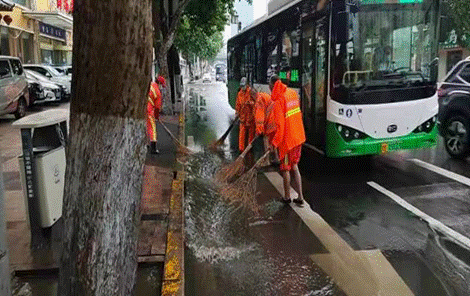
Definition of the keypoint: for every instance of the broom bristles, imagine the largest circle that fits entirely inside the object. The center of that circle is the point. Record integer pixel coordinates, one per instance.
(243, 190)
(230, 171)
(234, 169)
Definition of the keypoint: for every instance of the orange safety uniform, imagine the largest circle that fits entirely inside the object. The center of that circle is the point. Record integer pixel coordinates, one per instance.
(284, 126)
(263, 100)
(245, 111)
(154, 106)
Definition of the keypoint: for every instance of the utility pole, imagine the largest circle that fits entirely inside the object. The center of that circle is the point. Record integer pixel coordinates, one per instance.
(4, 259)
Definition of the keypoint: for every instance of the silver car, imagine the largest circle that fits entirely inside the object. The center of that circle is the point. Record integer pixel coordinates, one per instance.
(14, 92)
(54, 75)
(51, 92)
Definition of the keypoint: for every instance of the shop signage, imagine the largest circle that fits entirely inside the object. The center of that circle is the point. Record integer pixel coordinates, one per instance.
(52, 31)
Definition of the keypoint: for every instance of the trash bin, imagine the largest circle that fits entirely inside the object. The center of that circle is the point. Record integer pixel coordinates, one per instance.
(42, 165)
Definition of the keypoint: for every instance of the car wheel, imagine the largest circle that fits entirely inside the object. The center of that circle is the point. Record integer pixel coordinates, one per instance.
(20, 109)
(456, 136)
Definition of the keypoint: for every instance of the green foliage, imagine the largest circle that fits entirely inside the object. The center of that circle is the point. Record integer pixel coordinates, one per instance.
(460, 10)
(193, 41)
(201, 27)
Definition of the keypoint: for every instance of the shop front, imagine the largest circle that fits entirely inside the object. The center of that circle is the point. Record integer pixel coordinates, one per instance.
(55, 39)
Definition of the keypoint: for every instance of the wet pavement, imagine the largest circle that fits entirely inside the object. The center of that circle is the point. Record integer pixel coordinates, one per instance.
(232, 252)
(37, 271)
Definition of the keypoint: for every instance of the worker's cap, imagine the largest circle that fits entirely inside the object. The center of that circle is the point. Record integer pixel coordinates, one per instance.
(243, 81)
(161, 80)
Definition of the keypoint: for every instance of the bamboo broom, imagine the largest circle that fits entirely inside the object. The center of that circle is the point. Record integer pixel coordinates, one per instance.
(234, 169)
(220, 141)
(181, 148)
(243, 190)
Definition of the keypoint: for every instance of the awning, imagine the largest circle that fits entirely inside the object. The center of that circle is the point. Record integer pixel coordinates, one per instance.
(57, 19)
(6, 5)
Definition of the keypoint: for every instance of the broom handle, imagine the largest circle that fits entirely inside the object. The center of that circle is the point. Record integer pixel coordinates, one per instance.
(248, 148)
(224, 136)
(169, 132)
(259, 163)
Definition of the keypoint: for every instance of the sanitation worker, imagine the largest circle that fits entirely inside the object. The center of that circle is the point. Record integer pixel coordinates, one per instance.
(263, 107)
(154, 105)
(286, 133)
(245, 110)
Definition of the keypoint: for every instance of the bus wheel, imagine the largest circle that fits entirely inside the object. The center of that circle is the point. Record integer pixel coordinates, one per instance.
(456, 135)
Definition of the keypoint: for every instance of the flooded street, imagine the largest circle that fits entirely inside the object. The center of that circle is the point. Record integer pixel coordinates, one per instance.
(230, 251)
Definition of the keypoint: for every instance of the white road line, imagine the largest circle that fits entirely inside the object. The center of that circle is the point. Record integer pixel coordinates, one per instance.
(355, 272)
(441, 171)
(314, 148)
(433, 223)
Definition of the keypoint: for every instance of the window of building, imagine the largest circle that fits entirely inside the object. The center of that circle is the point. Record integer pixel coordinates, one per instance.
(27, 43)
(26, 3)
(46, 56)
(4, 42)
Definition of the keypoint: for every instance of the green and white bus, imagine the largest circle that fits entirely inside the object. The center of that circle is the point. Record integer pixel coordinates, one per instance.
(366, 70)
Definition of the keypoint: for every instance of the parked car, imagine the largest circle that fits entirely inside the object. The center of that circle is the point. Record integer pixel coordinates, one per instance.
(66, 70)
(14, 92)
(53, 75)
(206, 78)
(44, 90)
(454, 110)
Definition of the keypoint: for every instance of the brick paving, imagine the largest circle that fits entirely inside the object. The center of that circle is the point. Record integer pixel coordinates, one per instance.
(156, 193)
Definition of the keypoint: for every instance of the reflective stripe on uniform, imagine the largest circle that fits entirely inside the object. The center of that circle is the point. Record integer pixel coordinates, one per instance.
(292, 112)
(150, 100)
(153, 92)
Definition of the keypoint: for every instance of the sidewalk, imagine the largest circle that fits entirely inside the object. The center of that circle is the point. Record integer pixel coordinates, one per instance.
(160, 172)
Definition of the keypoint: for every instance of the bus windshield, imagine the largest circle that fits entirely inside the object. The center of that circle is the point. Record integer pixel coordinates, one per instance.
(384, 47)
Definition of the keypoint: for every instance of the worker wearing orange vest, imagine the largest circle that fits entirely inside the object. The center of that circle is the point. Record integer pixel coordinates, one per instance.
(286, 133)
(263, 107)
(245, 111)
(154, 105)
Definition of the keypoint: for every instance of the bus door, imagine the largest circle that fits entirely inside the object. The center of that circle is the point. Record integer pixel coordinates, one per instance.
(314, 57)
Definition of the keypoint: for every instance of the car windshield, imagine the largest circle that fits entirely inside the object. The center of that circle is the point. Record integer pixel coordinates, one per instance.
(37, 76)
(53, 71)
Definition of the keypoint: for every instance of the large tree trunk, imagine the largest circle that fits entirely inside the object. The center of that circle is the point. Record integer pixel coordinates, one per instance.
(106, 150)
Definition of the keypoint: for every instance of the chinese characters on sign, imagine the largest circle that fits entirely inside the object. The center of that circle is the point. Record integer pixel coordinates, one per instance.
(52, 31)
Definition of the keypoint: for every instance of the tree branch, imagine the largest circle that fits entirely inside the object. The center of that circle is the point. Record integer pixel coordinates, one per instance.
(175, 19)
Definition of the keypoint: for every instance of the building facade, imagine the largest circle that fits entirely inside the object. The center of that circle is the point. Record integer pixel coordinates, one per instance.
(40, 31)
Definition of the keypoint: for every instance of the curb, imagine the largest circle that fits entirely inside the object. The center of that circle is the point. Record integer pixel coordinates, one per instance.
(173, 272)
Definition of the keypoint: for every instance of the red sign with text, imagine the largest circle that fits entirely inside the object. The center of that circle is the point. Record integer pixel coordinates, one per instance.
(66, 5)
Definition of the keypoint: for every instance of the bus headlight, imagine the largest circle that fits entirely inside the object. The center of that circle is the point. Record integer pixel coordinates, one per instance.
(427, 126)
(348, 134)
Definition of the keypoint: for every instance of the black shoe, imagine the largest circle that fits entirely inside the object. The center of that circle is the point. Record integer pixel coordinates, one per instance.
(153, 148)
(286, 201)
(299, 202)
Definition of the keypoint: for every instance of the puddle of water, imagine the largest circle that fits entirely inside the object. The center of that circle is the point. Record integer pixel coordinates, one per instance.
(226, 254)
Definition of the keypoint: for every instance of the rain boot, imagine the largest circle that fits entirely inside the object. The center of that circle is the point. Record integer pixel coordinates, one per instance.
(153, 148)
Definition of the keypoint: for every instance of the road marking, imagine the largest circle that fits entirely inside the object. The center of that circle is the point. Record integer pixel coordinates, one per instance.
(314, 148)
(349, 268)
(390, 283)
(433, 223)
(441, 171)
